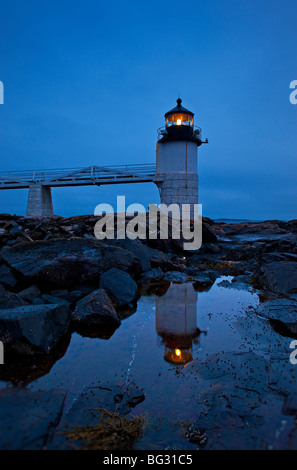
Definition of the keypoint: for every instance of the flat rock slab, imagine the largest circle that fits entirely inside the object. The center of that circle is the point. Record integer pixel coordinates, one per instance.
(61, 263)
(85, 408)
(279, 309)
(283, 315)
(28, 419)
(239, 380)
(235, 366)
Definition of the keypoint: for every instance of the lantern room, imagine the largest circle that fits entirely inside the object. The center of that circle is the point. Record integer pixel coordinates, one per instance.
(179, 125)
(179, 116)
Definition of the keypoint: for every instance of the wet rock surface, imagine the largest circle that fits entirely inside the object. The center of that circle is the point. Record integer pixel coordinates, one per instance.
(282, 314)
(37, 414)
(57, 280)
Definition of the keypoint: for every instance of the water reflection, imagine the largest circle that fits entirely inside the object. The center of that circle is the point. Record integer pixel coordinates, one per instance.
(176, 322)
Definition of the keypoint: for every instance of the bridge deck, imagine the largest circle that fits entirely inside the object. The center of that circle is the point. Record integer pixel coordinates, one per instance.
(79, 176)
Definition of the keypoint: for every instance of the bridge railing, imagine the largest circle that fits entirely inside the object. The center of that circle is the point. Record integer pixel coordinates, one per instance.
(46, 176)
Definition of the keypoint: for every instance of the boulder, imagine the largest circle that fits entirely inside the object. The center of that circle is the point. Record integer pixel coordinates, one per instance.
(10, 300)
(279, 277)
(73, 296)
(119, 258)
(6, 277)
(33, 329)
(154, 274)
(51, 299)
(203, 281)
(62, 263)
(96, 309)
(32, 295)
(208, 234)
(119, 285)
(148, 256)
(142, 252)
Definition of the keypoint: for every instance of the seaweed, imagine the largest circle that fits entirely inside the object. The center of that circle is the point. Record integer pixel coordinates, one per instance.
(112, 432)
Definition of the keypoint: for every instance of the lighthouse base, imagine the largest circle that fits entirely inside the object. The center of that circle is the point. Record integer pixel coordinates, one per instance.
(179, 188)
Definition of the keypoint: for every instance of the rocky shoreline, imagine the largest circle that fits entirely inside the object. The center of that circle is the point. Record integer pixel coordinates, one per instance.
(56, 278)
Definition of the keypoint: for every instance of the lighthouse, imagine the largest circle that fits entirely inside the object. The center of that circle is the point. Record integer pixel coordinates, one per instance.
(176, 323)
(176, 157)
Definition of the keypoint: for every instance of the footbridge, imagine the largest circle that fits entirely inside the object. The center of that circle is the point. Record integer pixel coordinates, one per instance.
(40, 182)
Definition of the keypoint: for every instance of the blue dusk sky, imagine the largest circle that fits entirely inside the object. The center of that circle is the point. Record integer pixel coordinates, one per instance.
(88, 83)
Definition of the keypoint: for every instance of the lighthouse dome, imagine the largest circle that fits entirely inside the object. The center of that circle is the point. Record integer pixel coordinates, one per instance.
(179, 109)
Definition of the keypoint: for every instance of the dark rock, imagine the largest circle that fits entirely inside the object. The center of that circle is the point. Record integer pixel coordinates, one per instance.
(176, 276)
(203, 282)
(6, 277)
(290, 405)
(9, 299)
(32, 295)
(73, 296)
(15, 228)
(50, 299)
(279, 277)
(282, 314)
(85, 409)
(143, 252)
(239, 282)
(33, 329)
(20, 371)
(243, 369)
(208, 234)
(96, 310)
(272, 257)
(119, 285)
(212, 248)
(62, 263)
(119, 258)
(292, 225)
(28, 419)
(153, 274)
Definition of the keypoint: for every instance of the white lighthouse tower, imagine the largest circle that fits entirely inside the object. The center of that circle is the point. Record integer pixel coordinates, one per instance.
(176, 157)
(176, 322)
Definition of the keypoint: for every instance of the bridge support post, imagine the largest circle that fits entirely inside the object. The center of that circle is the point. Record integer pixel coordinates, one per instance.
(39, 201)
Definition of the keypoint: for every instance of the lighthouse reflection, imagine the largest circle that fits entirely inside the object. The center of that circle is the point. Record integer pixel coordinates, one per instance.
(176, 322)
